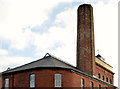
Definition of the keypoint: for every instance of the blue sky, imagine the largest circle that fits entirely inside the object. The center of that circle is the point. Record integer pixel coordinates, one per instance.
(31, 28)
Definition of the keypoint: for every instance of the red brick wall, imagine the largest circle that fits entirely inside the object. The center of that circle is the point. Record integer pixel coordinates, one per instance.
(45, 78)
(104, 73)
(0, 81)
(10, 80)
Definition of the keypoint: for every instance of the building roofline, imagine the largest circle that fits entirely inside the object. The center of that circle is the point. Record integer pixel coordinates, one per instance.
(73, 69)
(103, 61)
(21, 65)
(47, 55)
(94, 78)
(105, 68)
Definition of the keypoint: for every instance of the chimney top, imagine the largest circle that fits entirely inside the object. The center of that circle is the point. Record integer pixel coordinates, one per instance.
(85, 5)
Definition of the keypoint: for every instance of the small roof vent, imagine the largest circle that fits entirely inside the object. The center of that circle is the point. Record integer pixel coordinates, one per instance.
(47, 55)
(100, 57)
(8, 68)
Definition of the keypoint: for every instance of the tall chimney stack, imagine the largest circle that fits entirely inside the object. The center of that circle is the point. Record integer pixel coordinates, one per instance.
(85, 39)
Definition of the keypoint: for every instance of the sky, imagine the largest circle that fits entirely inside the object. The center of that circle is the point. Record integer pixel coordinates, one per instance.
(31, 28)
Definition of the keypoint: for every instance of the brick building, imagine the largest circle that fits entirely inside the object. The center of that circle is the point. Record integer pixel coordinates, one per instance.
(50, 71)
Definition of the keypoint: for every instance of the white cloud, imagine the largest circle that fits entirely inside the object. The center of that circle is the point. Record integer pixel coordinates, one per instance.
(65, 35)
(16, 16)
(22, 40)
(7, 61)
(3, 52)
(19, 14)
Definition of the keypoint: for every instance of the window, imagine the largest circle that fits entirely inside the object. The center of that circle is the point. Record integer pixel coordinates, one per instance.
(99, 75)
(106, 79)
(6, 83)
(110, 81)
(99, 86)
(106, 88)
(32, 80)
(82, 83)
(58, 80)
(103, 78)
(91, 85)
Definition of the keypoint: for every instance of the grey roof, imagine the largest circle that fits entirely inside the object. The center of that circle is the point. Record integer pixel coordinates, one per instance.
(51, 61)
(46, 61)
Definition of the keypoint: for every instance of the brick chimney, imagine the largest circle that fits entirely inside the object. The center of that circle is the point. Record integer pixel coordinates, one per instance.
(85, 39)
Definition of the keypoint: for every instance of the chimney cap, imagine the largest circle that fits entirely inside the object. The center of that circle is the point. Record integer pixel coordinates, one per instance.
(84, 5)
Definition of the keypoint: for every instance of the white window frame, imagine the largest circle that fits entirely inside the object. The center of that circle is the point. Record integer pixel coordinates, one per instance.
(6, 83)
(58, 80)
(82, 83)
(32, 80)
(91, 85)
(99, 86)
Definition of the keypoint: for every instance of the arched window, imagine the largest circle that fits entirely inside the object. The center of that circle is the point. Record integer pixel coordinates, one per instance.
(106, 88)
(106, 79)
(91, 85)
(103, 78)
(99, 75)
(82, 83)
(99, 86)
(110, 81)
